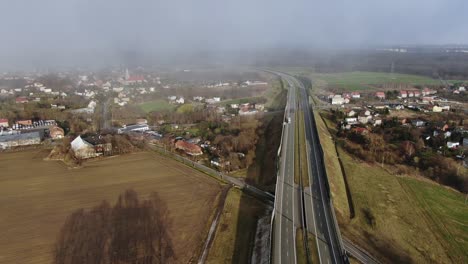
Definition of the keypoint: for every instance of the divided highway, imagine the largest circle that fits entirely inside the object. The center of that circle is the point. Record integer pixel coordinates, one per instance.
(286, 213)
(317, 205)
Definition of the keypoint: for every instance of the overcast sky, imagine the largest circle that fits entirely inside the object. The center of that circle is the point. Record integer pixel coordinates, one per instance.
(38, 29)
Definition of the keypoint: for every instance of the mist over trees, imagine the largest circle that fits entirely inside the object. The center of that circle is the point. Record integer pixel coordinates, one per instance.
(132, 231)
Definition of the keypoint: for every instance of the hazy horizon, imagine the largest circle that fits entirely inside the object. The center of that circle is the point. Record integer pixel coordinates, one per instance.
(54, 32)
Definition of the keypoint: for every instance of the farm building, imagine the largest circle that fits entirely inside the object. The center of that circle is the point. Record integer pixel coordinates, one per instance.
(89, 147)
(15, 140)
(133, 128)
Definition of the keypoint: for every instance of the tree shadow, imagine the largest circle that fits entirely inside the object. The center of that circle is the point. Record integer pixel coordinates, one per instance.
(132, 231)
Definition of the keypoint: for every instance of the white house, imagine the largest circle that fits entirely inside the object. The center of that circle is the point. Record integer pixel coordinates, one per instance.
(338, 100)
(453, 145)
(181, 100)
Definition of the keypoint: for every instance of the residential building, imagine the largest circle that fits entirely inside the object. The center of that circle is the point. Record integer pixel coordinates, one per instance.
(453, 145)
(181, 100)
(351, 113)
(380, 95)
(364, 119)
(418, 123)
(4, 122)
(351, 120)
(436, 109)
(403, 94)
(355, 95)
(188, 148)
(56, 132)
(427, 91)
(338, 100)
(21, 100)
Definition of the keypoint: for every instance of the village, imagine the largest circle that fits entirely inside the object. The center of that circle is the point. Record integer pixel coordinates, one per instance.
(94, 117)
(401, 117)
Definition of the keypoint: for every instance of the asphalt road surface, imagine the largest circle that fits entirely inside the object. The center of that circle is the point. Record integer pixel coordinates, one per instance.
(287, 211)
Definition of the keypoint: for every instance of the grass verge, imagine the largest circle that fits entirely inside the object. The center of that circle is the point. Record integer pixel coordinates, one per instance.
(234, 237)
(334, 173)
(300, 250)
(300, 159)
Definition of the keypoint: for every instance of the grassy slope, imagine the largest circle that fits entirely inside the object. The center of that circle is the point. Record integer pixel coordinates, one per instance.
(236, 227)
(352, 81)
(335, 176)
(156, 105)
(387, 223)
(447, 210)
(414, 220)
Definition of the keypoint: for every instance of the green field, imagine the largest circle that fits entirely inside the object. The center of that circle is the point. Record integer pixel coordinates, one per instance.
(358, 81)
(156, 105)
(449, 213)
(37, 196)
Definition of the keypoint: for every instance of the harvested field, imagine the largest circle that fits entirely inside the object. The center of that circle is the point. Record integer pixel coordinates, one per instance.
(38, 196)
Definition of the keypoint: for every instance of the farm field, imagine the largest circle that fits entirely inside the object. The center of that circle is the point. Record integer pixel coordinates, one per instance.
(358, 81)
(37, 197)
(156, 105)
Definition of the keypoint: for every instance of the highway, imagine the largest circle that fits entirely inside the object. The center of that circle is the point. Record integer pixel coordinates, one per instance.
(317, 207)
(317, 201)
(287, 212)
(318, 217)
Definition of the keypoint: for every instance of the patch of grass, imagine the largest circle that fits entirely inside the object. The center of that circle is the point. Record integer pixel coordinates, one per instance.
(447, 211)
(300, 250)
(334, 173)
(300, 159)
(39, 196)
(353, 81)
(313, 251)
(156, 105)
(235, 234)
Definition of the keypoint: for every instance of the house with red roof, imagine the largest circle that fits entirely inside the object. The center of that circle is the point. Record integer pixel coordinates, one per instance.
(188, 148)
(4, 122)
(21, 100)
(380, 95)
(403, 94)
(355, 95)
